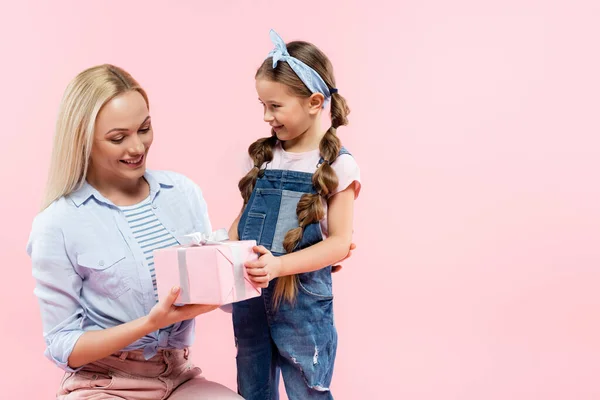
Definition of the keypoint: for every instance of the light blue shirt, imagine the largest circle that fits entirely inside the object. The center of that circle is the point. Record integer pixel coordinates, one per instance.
(90, 271)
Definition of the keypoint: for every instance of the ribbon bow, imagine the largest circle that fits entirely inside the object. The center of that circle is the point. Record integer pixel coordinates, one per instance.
(201, 238)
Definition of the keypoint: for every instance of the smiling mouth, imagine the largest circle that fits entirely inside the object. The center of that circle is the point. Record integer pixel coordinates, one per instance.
(135, 162)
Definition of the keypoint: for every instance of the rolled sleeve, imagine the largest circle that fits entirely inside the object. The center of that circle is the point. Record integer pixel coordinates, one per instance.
(348, 173)
(57, 288)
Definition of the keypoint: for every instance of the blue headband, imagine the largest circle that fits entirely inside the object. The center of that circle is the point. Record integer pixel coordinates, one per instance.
(309, 76)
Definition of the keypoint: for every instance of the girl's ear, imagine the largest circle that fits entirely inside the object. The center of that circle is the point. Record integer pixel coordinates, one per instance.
(315, 103)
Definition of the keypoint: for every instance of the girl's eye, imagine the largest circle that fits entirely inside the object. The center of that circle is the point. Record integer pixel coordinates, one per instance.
(117, 140)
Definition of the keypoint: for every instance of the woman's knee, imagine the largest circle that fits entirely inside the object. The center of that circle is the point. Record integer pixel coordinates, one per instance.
(202, 389)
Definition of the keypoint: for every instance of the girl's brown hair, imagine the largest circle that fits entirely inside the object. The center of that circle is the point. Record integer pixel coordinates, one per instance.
(310, 207)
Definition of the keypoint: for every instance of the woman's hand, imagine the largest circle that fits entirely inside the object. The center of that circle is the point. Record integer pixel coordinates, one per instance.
(165, 313)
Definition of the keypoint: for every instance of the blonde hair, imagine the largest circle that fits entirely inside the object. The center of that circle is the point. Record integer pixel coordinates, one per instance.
(310, 207)
(83, 99)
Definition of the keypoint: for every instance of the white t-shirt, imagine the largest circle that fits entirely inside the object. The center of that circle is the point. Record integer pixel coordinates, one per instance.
(345, 167)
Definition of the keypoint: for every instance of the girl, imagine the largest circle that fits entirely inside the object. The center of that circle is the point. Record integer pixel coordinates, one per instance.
(91, 248)
(298, 196)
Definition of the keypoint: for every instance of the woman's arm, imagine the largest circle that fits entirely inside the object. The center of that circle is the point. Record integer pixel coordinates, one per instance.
(58, 288)
(95, 345)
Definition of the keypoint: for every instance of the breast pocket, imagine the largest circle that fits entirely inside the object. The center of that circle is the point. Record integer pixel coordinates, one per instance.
(104, 274)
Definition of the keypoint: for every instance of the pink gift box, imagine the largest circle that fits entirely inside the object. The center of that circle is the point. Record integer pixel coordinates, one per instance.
(207, 274)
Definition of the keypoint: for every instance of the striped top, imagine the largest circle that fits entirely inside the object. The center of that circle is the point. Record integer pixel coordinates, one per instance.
(149, 232)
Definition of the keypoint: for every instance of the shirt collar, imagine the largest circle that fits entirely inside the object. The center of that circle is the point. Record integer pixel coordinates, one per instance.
(86, 191)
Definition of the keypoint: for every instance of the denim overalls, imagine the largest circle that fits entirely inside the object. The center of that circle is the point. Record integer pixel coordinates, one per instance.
(299, 339)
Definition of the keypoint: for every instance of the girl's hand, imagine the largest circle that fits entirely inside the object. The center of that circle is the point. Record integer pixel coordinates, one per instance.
(263, 270)
(338, 267)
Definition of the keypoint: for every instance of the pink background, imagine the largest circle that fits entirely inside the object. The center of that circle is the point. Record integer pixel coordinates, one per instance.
(476, 127)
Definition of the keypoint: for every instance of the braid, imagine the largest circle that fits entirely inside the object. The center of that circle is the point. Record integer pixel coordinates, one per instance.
(260, 151)
(310, 207)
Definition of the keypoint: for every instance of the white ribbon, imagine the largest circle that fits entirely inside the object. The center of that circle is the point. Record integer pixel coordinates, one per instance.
(201, 238)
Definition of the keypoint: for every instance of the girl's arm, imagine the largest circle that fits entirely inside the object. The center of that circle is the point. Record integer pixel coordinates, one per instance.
(233, 230)
(340, 216)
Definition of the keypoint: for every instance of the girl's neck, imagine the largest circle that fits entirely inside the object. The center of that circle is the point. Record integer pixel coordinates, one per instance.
(307, 141)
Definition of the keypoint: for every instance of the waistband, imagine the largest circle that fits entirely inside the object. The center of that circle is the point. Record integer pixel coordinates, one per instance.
(138, 355)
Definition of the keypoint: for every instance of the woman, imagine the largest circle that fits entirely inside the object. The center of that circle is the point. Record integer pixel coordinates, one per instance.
(91, 248)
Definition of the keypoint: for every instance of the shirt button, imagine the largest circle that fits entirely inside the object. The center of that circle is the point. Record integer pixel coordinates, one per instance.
(101, 263)
(154, 206)
(173, 229)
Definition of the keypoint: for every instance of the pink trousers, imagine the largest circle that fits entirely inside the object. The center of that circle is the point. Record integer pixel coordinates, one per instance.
(127, 375)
